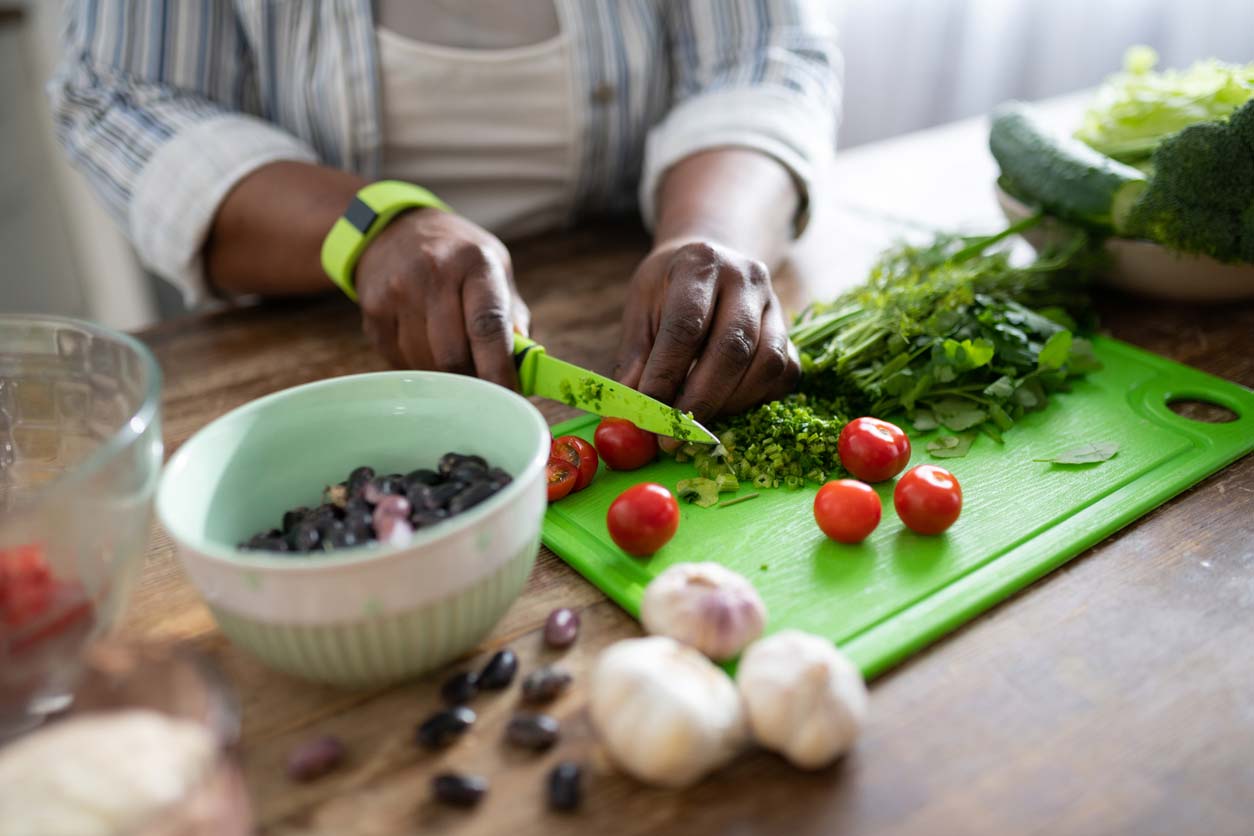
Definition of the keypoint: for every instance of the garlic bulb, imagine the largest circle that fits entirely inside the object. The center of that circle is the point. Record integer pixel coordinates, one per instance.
(804, 698)
(704, 605)
(665, 713)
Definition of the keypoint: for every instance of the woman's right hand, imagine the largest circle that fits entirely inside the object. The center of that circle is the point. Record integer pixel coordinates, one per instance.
(437, 292)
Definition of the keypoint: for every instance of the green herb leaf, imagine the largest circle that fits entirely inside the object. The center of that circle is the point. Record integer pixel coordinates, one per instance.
(699, 491)
(958, 414)
(1085, 454)
(924, 420)
(999, 416)
(1082, 359)
(1056, 350)
(951, 446)
(1002, 389)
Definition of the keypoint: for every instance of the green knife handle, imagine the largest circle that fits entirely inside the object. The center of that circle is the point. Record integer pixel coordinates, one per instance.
(526, 354)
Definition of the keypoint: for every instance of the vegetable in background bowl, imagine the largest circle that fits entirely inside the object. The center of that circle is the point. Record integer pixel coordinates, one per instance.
(1136, 109)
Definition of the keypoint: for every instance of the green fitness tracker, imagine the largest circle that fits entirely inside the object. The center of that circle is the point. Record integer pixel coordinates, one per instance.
(367, 215)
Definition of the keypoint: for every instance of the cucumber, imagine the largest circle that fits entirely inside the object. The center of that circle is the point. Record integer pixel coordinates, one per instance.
(1062, 175)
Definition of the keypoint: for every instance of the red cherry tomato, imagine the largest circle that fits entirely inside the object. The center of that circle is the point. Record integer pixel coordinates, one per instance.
(581, 454)
(643, 519)
(847, 510)
(873, 450)
(623, 445)
(928, 499)
(562, 476)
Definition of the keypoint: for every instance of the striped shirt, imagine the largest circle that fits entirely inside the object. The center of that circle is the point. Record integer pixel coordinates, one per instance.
(166, 104)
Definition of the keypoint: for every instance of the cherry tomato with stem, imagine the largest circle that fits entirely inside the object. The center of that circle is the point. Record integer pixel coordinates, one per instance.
(562, 476)
(623, 445)
(581, 454)
(928, 499)
(873, 450)
(847, 510)
(643, 519)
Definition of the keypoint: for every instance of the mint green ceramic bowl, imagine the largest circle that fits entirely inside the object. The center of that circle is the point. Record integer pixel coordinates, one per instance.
(372, 614)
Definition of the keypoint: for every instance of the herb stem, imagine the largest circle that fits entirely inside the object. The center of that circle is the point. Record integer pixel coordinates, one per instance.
(727, 503)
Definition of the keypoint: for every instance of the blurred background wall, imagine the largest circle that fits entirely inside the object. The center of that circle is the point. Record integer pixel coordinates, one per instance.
(909, 64)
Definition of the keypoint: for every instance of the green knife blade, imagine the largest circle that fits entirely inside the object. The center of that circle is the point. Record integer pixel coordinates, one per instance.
(545, 376)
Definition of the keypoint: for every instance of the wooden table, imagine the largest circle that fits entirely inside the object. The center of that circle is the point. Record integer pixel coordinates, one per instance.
(1112, 696)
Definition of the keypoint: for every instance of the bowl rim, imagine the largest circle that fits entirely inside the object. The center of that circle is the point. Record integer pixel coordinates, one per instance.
(146, 414)
(365, 553)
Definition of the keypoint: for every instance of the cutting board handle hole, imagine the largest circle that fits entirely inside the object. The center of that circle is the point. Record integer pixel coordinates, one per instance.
(1196, 409)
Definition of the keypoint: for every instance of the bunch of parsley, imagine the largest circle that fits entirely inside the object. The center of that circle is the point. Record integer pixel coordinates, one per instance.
(950, 334)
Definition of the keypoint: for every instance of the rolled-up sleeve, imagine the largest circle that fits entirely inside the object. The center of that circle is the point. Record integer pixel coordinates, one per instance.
(759, 74)
(149, 103)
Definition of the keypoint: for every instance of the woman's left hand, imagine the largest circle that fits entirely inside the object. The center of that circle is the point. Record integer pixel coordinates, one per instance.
(704, 330)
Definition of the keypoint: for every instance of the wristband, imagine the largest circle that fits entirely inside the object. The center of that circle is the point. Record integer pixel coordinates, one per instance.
(369, 213)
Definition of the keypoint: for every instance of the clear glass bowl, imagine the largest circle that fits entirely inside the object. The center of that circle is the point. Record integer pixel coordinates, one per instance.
(80, 451)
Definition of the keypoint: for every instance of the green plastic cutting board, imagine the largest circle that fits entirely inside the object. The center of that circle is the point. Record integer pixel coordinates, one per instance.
(898, 591)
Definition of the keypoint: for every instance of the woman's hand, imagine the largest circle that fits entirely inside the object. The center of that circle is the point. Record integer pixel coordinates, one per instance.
(437, 292)
(704, 330)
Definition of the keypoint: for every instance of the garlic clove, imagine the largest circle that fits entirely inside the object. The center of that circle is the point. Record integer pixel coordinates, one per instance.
(665, 714)
(705, 605)
(804, 698)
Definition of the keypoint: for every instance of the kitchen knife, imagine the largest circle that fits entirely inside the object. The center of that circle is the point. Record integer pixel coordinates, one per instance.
(547, 377)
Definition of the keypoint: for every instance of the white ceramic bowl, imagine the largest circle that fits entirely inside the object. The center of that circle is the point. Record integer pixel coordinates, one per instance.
(1146, 268)
(371, 614)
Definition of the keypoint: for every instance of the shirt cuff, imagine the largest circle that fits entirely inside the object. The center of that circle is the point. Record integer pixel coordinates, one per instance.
(178, 193)
(770, 120)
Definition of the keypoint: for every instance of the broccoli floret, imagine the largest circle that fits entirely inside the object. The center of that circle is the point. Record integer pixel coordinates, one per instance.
(1201, 196)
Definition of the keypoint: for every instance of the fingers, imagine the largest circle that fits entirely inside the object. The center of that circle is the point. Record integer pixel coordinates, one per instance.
(732, 344)
(520, 314)
(489, 320)
(776, 366)
(687, 310)
(634, 346)
(379, 323)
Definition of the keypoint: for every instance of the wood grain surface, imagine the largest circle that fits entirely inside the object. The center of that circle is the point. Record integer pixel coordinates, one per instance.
(1113, 696)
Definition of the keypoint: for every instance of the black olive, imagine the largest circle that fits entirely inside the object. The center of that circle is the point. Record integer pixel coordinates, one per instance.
(449, 461)
(361, 474)
(499, 477)
(499, 672)
(305, 537)
(532, 731)
(431, 497)
(338, 535)
(443, 727)
(277, 544)
(360, 521)
(274, 534)
(422, 476)
(382, 486)
(545, 684)
(468, 473)
(459, 790)
(324, 514)
(419, 497)
(460, 688)
(566, 786)
(471, 497)
(294, 517)
(358, 479)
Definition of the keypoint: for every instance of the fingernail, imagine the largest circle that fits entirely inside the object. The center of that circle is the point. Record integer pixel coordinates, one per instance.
(669, 445)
